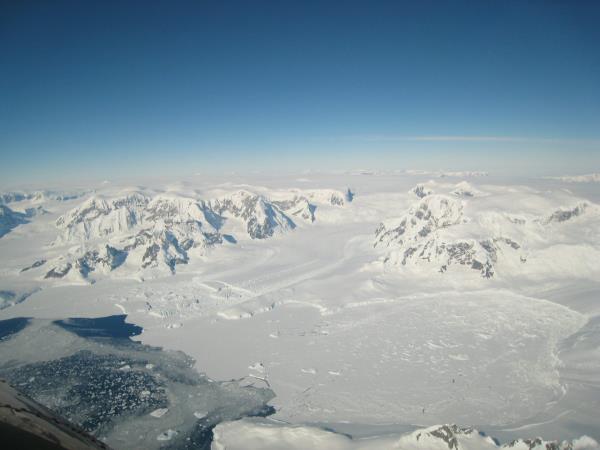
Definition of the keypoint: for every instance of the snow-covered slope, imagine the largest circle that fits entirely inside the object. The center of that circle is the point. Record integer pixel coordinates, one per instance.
(463, 229)
(266, 435)
(288, 285)
(151, 232)
(465, 189)
(588, 178)
(161, 231)
(420, 190)
(10, 219)
(99, 217)
(37, 196)
(261, 217)
(418, 237)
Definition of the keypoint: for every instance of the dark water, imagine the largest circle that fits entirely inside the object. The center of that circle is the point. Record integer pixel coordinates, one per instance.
(110, 326)
(89, 389)
(12, 326)
(108, 382)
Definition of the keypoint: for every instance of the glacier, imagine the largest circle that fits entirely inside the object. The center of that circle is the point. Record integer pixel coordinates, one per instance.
(370, 303)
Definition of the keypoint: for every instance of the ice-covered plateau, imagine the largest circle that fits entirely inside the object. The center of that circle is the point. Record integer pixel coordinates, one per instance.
(377, 312)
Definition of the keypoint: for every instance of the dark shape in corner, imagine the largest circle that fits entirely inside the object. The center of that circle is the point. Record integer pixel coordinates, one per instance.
(25, 424)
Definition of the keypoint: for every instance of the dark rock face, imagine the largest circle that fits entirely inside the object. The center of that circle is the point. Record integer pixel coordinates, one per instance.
(35, 265)
(464, 253)
(419, 235)
(150, 256)
(447, 433)
(421, 191)
(59, 272)
(263, 229)
(261, 216)
(349, 195)
(298, 207)
(111, 258)
(430, 214)
(539, 443)
(336, 201)
(564, 215)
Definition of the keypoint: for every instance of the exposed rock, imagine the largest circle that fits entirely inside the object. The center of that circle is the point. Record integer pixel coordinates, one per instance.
(564, 215)
(417, 237)
(262, 218)
(421, 191)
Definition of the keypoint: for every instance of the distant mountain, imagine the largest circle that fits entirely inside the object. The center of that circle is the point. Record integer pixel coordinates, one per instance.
(245, 434)
(588, 178)
(443, 174)
(562, 215)
(261, 217)
(37, 196)
(437, 233)
(465, 190)
(415, 237)
(421, 191)
(160, 231)
(98, 217)
(154, 232)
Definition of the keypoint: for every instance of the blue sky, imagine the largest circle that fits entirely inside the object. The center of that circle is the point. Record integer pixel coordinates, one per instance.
(118, 88)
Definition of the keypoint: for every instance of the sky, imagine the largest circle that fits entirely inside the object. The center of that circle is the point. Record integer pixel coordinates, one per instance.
(119, 88)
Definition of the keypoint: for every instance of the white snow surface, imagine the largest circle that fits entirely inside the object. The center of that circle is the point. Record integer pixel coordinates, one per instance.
(476, 303)
(249, 435)
(587, 178)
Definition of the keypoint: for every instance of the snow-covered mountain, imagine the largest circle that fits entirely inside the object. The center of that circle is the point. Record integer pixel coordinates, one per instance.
(99, 217)
(265, 435)
(417, 237)
(444, 174)
(562, 215)
(261, 217)
(39, 196)
(297, 206)
(420, 190)
(152, 232)
(160, 231)
(588, 178)
(470, 293)
(465, 189)
(462, 229)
